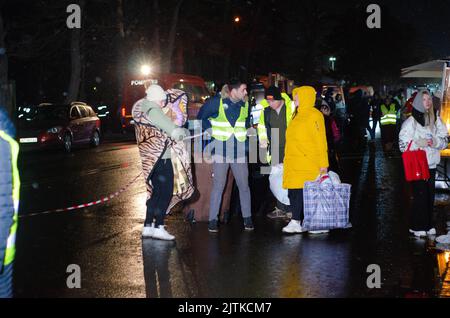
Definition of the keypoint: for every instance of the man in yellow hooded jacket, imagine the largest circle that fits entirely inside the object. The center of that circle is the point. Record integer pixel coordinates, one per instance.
(306, 155)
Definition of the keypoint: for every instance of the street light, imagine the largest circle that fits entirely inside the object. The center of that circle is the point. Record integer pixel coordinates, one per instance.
(237, 19)
(146, 70)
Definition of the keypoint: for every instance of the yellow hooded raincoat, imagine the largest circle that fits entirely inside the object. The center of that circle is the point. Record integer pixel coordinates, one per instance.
(306, 143)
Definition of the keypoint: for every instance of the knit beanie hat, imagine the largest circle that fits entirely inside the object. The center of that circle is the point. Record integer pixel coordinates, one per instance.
(155, 93)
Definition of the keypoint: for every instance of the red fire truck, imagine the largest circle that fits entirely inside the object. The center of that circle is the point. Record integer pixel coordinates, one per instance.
(134, 89)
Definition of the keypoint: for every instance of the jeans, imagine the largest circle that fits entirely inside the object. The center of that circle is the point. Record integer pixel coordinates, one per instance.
(240, 173)
(162, 183)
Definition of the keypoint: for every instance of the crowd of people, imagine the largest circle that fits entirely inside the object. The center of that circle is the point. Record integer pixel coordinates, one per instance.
(310, 128)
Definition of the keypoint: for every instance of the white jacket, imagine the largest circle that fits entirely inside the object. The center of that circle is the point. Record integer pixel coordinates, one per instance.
(413, 131)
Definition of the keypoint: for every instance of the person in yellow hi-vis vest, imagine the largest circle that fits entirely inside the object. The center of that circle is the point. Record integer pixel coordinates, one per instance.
(388, 123)
(9, 202)
(275, 118)
(228, 117)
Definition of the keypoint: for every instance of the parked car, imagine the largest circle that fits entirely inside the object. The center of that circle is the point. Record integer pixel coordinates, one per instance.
(60, 126)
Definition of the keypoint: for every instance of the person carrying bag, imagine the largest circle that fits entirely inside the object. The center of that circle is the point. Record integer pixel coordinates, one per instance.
(422, 137)
(306, 153)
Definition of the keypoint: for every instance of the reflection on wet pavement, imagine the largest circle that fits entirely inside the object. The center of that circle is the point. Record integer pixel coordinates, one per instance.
(106, 242)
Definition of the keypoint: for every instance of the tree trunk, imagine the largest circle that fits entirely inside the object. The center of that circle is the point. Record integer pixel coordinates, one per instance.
(172, 36)
(121, 61)
(76, 58)
(120, 23)
(5, 96)
(253, 35)
(156, 51)
(75, 74)
(179, 64)
(227, 40)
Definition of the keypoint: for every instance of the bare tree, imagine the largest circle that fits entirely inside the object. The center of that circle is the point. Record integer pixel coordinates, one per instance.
(156, 51)
(76, 57)
(120, 23)
(172, 36)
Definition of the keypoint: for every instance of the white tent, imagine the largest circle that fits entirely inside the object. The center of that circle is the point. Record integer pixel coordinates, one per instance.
(432, 69)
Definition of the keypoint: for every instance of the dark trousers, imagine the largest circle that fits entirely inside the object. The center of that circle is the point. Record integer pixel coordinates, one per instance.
(423, 203)
(282, 207)
(296, 200)
(373, 129)
(333, 161)
(162, 182)
(6, 277)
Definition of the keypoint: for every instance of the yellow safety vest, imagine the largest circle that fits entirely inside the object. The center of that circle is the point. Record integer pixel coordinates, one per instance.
(389, 117)
(11, 242)
(262, 129)
(264, 103)
(222, 129)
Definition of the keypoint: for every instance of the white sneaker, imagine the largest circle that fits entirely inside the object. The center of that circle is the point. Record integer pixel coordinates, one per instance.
(432, 231)
(148, 231)
(161, 234)
(319, 232)
(293, 227)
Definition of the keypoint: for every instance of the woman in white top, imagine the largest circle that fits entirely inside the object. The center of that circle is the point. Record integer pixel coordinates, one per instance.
(424, 130)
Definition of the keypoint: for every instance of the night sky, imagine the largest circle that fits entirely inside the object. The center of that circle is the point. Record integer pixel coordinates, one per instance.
(430, 18)
(273, 36)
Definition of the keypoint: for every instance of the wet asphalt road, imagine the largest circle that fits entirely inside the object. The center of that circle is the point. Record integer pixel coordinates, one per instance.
(105, 240)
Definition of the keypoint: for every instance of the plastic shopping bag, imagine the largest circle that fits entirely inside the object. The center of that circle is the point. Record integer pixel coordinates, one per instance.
(331, 177)
(276, 184)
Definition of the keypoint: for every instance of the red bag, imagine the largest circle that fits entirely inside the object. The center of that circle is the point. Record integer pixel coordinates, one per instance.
(415, 164)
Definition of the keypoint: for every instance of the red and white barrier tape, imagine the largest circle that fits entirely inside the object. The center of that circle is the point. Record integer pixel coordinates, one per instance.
(101, 201)
(86, 205)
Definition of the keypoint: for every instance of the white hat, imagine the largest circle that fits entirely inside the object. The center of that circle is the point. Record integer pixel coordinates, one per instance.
(155, 93)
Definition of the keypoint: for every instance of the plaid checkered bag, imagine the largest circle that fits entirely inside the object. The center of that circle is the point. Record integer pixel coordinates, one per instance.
(326, 206)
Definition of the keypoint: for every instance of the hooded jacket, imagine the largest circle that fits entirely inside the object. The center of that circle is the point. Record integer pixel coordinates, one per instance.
(306, 142)
(413, 130)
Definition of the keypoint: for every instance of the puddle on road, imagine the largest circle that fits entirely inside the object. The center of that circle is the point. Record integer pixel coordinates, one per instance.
(431, 274)
(443, 267)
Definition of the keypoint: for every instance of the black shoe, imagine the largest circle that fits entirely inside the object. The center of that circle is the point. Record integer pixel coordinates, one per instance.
(248, 224)
(213, 226)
